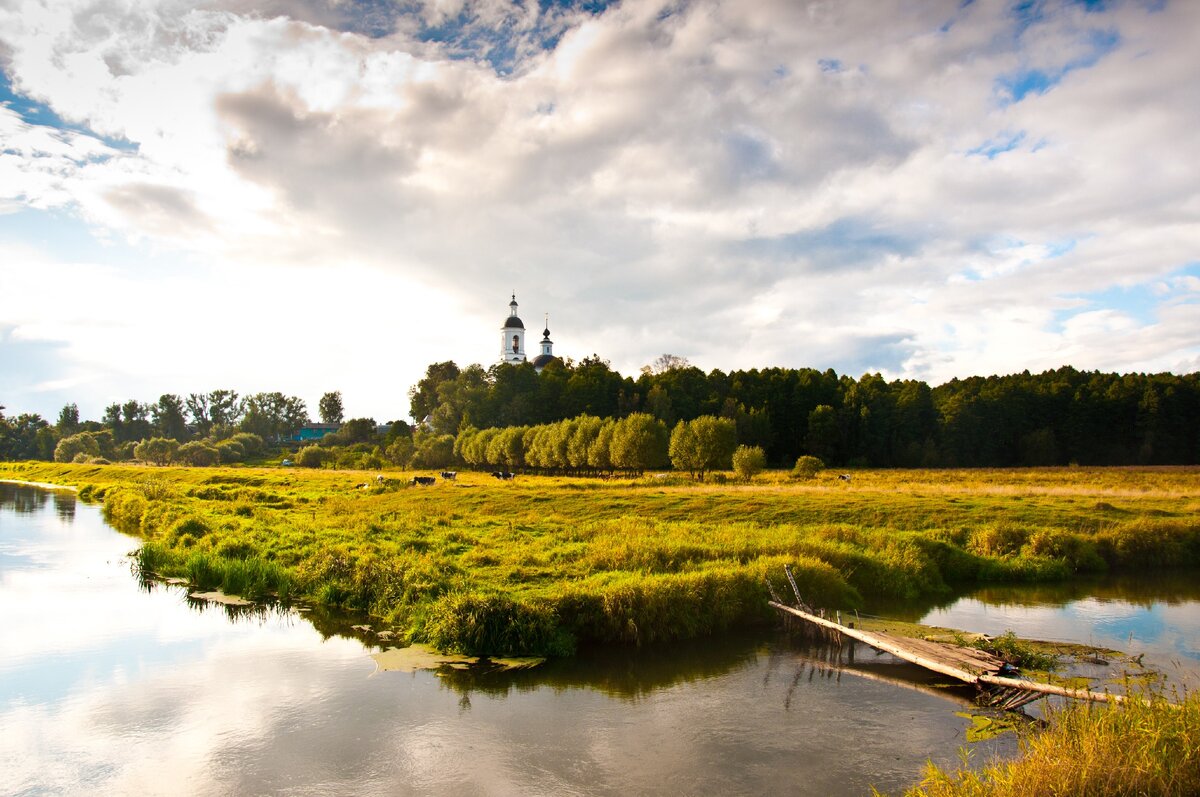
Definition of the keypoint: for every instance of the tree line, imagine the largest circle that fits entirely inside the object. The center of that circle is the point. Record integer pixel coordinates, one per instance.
(467, 415)
(218, 427)
(1057, 417)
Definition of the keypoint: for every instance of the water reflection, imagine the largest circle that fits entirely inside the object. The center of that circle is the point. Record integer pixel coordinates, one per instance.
(1155, 616)
(109, 685)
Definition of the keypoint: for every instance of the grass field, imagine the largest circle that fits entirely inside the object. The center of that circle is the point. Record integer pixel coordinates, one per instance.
(537, 565)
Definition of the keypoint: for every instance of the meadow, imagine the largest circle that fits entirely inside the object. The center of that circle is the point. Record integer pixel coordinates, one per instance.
(540, 565)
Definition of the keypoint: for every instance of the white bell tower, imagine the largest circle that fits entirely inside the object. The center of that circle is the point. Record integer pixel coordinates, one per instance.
(512, 336)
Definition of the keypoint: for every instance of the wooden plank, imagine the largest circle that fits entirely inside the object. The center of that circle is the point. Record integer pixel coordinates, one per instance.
(888, 645)
(950, 660)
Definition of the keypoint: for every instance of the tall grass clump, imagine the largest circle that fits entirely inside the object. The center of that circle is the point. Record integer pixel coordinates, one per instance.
(1091, 750)
(250, 578)
(1148, 542)
(492, 623)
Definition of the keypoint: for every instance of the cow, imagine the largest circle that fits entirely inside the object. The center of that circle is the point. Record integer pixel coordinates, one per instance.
(845, 477)
(379, 480)
(423, 481)
(449, 475)
(502, 475)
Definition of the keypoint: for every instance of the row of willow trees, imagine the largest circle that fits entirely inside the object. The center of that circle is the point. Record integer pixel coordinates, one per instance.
(588, 444)
(1053, 418)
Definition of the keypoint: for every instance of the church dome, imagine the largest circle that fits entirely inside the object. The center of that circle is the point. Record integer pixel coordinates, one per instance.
(513, 322)
(542, 360)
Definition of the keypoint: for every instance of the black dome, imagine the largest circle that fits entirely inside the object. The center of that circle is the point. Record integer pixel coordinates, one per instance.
(513, 321)
(543, 359)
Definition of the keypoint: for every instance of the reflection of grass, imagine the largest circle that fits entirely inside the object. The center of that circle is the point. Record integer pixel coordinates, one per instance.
(1092, 750)
(541, 564)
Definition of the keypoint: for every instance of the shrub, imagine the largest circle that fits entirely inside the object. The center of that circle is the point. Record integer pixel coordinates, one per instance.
(313, 456)
(230, 451)
(156, 450)
(749, 461)
(69, 448)
(252, 444)
(807, 467)
(198, 454)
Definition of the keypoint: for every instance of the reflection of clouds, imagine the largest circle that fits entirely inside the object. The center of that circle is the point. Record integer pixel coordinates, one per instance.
(121, 691)
(1167, 633)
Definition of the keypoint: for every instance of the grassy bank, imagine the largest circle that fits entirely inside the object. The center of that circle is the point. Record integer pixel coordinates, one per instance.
(1091, 750)
(536, 565)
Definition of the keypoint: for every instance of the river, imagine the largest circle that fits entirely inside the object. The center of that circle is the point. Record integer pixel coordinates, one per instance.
(109, 685)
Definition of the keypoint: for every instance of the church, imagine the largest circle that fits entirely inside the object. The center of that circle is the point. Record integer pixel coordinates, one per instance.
(512, 340)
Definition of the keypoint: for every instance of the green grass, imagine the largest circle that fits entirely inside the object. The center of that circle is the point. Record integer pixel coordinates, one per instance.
(1090, 750)
(541, 564)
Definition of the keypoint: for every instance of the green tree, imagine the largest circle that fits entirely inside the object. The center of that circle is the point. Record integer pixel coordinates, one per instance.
(823, 434)
(639, 441)
(358, 430)
(423, 397)
(704, 444)
(600, 451)
(273, 416)
(313, 456)
(198, 454)
(433, 451)
(400, 451)
(135, 421)
(168, 417)
(251, 443)
(230, 451)
(225, 408)
(807, 467)
(157, 450)
(749, 461)
(70, 447)
(330, 407)
(27, 436)
(68, 420)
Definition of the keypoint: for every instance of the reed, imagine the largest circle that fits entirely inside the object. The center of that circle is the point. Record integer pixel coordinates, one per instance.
(1090, 750)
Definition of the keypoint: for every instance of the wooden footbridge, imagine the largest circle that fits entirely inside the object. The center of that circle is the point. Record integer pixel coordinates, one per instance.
(971, 666)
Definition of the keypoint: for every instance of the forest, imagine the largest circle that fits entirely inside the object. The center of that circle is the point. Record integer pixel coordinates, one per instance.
(1059, 417)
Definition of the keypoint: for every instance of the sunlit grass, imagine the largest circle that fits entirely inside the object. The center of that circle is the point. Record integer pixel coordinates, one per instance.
(539, 564)
(1090, 750)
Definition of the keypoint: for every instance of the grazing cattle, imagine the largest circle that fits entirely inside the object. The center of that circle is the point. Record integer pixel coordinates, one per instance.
(449, 475)
(424, 481)
(379, 479)
(502, 475)
(845, 477)
(362, 486)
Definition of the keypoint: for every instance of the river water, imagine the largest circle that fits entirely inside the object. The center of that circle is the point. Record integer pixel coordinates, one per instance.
(112, 686)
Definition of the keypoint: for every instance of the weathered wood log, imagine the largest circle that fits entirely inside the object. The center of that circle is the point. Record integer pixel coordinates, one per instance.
(1050, 689)
(956, 662)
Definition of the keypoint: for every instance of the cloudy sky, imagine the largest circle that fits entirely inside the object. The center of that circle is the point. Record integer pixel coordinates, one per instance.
(329, 195)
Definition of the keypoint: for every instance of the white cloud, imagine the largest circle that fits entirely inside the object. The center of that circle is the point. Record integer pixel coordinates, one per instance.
(841, 185)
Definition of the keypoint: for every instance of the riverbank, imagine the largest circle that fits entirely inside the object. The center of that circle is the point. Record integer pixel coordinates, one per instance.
(538, 565)
(1090, 750)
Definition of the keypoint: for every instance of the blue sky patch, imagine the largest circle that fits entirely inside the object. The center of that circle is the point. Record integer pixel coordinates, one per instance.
(1017, 85)
(1140, 302)
(1005, 142)
(38, 113)
(465, 37)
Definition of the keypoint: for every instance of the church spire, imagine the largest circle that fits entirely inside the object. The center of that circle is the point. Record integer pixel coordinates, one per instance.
(512, 336)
